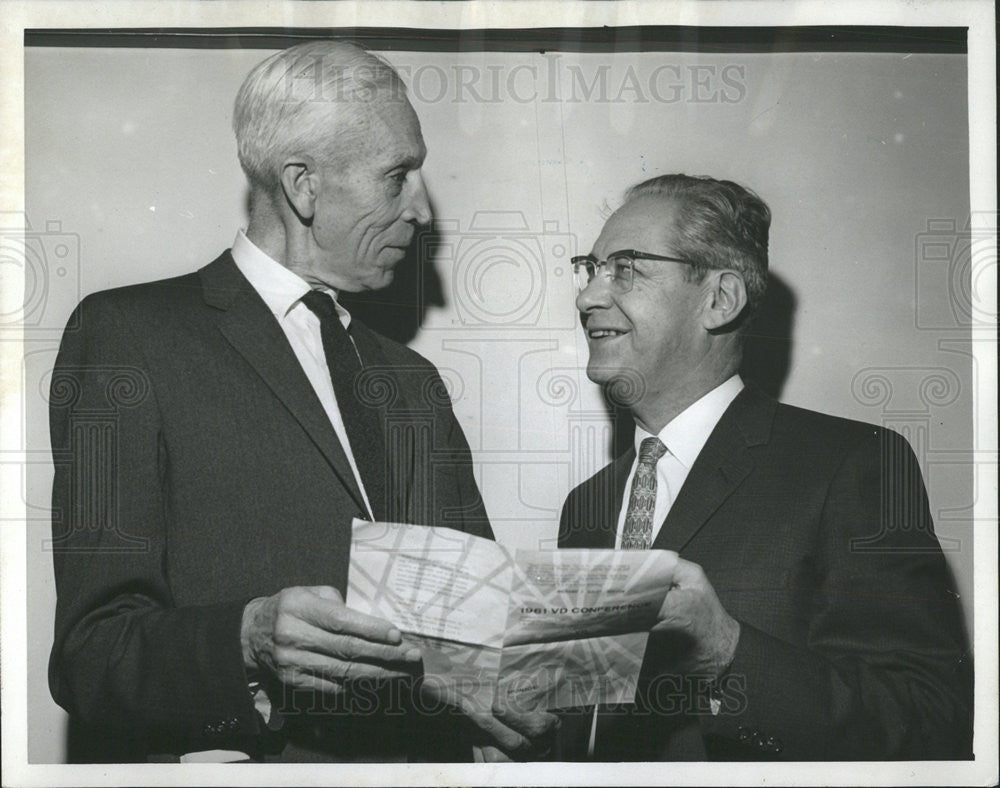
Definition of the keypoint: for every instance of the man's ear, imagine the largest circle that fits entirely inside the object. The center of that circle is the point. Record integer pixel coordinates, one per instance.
(300, 183)
(725, 299)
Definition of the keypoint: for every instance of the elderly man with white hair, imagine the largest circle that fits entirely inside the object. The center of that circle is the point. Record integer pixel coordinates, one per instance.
(201, 542)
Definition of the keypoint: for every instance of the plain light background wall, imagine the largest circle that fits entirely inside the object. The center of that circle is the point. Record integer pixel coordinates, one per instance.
(132, 176)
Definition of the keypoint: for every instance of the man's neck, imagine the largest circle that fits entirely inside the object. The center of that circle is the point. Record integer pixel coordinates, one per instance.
(653, 412)
(287, 244)
(271, 237)
(268, 234)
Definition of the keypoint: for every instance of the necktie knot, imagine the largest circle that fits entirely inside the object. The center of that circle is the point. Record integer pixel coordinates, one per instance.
(321, 305)
(650, 451)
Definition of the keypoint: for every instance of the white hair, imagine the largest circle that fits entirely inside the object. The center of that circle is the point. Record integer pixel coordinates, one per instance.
(286, 104)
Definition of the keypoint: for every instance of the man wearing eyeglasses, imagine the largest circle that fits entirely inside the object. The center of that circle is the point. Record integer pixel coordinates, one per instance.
(788, 633)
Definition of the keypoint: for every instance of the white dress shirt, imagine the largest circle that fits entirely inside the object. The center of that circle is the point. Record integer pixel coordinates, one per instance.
(684, 437)
(282, 291)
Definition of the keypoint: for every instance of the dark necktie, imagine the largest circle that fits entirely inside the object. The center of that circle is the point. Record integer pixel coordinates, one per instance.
(362, 422)
(638, 531)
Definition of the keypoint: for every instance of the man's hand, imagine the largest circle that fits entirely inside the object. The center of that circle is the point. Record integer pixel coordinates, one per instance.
(308, 639)
(497, 733)
(694, 627)
(513, 736)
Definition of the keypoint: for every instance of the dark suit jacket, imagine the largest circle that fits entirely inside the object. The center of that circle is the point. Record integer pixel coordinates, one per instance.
(195, 470)
(816, 534)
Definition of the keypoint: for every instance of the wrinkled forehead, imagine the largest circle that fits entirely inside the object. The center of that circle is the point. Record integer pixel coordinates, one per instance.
(644, 223)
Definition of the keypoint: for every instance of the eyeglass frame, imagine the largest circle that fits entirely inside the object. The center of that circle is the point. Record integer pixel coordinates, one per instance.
(630, 254)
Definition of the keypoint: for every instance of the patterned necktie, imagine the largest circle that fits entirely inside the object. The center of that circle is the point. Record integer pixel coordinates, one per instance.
(638, 531)
(362, 422)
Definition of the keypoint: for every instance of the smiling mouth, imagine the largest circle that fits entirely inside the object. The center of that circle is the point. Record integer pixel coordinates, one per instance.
(604, 333)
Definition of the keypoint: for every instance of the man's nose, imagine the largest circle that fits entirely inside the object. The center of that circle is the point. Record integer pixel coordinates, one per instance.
(596, 295)
(418, 205)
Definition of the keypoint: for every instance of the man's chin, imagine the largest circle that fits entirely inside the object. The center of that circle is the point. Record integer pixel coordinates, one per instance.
(599, 374)
(392, 255)
(379, 279)
(388, 277)
(622, 387)
(384, 271)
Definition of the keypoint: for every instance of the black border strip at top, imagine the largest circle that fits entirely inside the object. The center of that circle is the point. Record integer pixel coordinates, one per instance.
(857, 38)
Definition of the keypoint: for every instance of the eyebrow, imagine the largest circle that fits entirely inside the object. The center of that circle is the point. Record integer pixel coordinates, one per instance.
(408, 161)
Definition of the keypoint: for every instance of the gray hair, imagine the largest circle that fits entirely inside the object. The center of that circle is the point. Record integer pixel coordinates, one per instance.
(286, 103)
(717, 225)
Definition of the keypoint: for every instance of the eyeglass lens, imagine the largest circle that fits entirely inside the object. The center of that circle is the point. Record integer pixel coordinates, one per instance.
(619, 267)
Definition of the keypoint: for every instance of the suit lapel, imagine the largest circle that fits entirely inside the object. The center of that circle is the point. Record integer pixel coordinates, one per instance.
(622, 468)
(252, 330)
(590, 519)
(723, 464)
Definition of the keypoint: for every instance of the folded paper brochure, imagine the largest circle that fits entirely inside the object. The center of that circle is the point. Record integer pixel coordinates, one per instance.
(532, 628)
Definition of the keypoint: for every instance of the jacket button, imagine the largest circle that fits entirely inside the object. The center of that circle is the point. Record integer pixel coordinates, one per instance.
(777, 746)
(742, 733)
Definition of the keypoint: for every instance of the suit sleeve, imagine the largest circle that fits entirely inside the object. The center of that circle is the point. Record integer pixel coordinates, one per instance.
(125, 659)
(884, 673)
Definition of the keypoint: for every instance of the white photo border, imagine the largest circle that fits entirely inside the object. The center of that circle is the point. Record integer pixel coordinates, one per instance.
(978, 16)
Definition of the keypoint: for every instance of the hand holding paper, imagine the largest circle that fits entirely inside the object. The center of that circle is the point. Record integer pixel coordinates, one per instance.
(703, 634)
(533, 736)
(497, 734)
(308, 639)
(549, 628)
(578, 624)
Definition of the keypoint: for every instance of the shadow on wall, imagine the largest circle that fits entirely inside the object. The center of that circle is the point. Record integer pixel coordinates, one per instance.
(767, 354)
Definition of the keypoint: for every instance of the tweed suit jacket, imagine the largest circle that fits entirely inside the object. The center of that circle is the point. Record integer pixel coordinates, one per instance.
(195, 470)
(816, 534)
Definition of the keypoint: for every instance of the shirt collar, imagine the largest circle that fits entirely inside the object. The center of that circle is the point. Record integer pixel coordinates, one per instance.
(280, 288)
(687, 433)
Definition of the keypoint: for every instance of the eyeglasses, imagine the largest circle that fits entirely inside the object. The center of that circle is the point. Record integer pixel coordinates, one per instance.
(620, 267)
